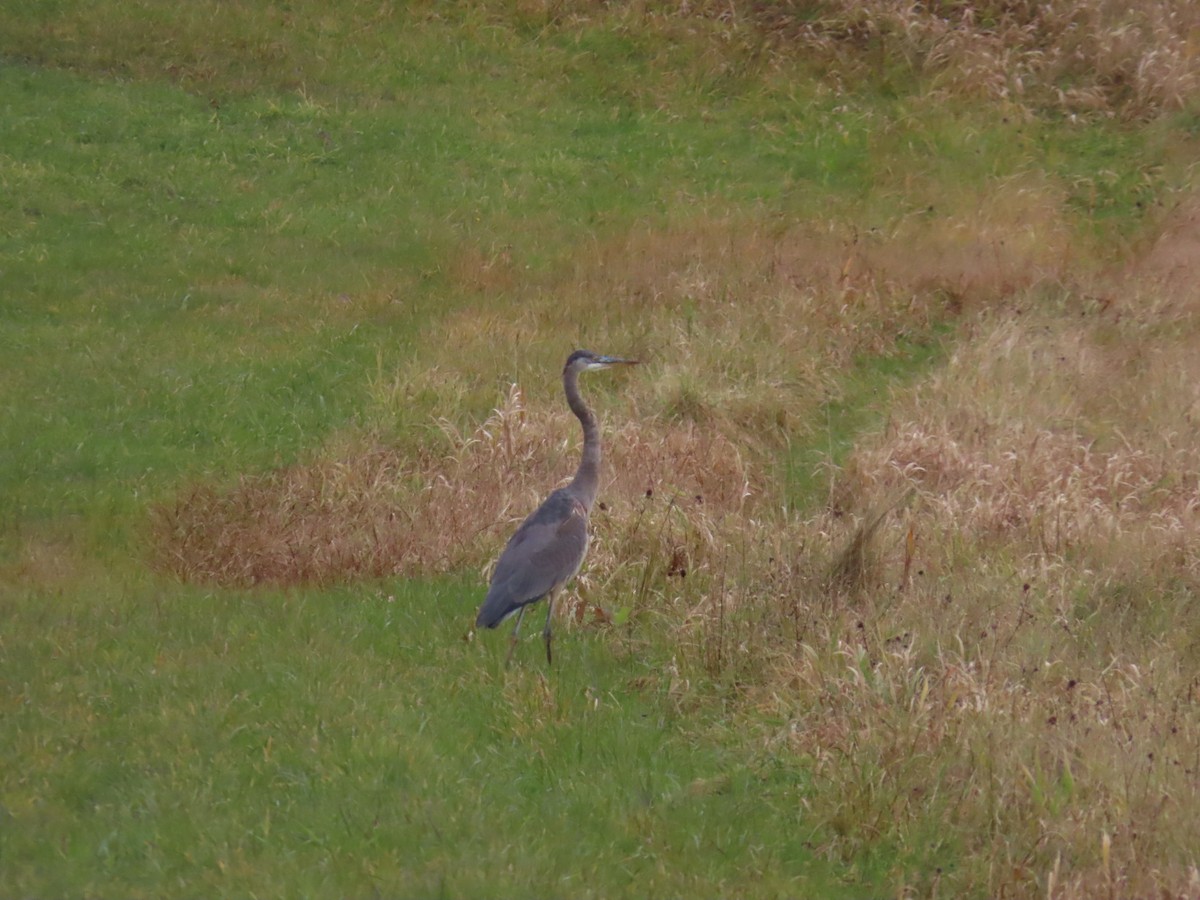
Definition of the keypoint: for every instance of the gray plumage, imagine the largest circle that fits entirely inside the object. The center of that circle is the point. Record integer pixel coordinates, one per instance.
(548, 549)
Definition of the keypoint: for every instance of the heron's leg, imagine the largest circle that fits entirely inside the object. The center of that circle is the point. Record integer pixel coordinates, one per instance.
(513, 640)
(546, 635)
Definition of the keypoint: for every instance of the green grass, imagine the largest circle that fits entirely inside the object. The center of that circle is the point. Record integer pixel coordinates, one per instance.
(219, 235)
(351, 741)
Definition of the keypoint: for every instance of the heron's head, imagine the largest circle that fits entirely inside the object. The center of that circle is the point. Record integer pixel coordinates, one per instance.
(587, 361)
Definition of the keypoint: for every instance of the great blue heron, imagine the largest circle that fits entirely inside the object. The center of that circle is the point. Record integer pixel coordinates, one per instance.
(548, 548)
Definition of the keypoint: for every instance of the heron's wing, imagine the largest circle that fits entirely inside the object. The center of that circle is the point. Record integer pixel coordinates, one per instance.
(544, 554)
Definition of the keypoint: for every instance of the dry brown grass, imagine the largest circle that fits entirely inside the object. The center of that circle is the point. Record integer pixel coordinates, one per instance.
(1066, 430)
(1024, 629)
(1056, 439)
(379, 512)
(1099, 56)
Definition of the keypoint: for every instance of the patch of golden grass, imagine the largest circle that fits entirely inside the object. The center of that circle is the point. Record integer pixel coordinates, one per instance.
(1063, 439)
(748, 325)
(1019, 650)
(1098, 56)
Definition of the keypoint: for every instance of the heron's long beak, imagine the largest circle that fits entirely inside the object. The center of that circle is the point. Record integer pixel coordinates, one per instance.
(616, 361)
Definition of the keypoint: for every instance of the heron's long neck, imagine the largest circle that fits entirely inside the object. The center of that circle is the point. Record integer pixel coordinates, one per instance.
(587, 476)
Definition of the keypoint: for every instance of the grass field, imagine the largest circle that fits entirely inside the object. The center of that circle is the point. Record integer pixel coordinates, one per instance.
(892, 590)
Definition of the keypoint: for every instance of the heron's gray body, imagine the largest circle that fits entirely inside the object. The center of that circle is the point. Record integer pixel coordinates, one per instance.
(544, 554)
(548, 549)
